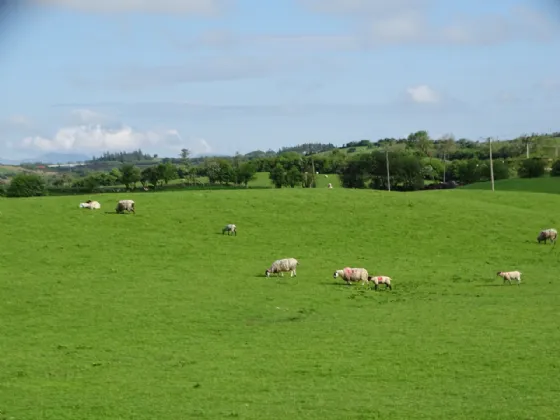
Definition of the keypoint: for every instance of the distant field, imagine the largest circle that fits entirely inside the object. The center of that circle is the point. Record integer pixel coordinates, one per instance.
(159, 316)
(10, 169)
(263, 180)
(549, 185)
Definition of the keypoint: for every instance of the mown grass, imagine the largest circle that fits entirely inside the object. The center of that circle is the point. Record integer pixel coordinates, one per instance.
(158, 316)
(546, 184)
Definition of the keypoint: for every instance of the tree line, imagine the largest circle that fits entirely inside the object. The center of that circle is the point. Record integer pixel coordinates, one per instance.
(413, 162)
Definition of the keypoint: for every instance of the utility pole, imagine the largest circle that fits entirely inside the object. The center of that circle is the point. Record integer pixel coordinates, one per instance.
(444, 168)
(491, 163)
(388, 176)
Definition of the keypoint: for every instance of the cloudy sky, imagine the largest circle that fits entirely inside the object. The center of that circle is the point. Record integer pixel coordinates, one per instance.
(222, 76)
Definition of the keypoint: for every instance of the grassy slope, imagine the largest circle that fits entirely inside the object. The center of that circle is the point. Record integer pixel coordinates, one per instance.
(550, 185)
(158, 316)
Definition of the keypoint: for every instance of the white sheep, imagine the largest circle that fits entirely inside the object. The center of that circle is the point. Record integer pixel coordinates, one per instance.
(231, 228)
(352, 275)
(93, 205)
(550, 234)
(510, 275)
(127, 205)
(381, 280)
(282, 266)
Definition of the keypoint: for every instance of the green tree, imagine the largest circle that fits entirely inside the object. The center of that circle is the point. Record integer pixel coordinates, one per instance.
(212, 170)
(500, 168)
(294, 176)
(246, 173)
(469, 171)
(130, 175)
(226, 172)
(555, 170)
(27, 185)
(531, 168)
(150, 176)
(278, 176)
(167, 172)
(421, 141)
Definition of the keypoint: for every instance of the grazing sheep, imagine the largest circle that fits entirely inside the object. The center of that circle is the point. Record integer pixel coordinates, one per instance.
(127, 205)
(231, 228)
(550, 234)
(510, 275)
(282, 266)
(381, 280)
(352, 275)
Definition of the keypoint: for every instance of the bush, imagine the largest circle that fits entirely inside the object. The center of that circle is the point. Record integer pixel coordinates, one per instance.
(531, 168)
(27, 185)
(501, 170)
(555, 170)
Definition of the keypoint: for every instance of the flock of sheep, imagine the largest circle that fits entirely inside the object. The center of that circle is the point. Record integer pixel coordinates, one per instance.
(348, 274)
(352, 275)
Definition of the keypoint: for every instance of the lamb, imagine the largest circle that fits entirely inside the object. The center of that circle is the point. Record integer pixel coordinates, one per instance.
(231, 228)
(510, 275)
(352, 275)
(93, 205)
(127, 205)
(545, 234)
(381, 280)
(282, 266)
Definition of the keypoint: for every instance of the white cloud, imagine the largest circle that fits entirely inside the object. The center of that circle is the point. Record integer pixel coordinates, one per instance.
(380, 22)
(423, 94)
(193, 7)
(87, 116)
(19, 120)
(96, 138)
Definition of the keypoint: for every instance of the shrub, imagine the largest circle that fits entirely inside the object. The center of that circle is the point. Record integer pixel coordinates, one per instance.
(27, 185)
(555, 170)
(532, 168)
(501, 170)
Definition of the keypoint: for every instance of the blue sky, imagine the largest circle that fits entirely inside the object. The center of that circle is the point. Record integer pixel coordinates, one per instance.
(220, 76)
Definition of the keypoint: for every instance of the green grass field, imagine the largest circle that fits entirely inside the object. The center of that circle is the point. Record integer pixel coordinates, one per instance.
(547, 184)
(158, 316)
(262, 180)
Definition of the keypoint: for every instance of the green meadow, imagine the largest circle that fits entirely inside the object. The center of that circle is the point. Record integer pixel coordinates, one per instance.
(157, 315)
(547, 184)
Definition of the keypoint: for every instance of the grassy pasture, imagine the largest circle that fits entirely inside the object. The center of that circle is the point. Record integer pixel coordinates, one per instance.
(262, 180)
(158, 316)
(547, 184)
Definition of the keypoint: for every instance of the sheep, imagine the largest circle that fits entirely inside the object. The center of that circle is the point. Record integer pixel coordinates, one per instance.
(127, 205)
(231, 228)
(381, 280)
(283, 265)
(545, 234)
(510, 275)
(93, 205)
(352, 275)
